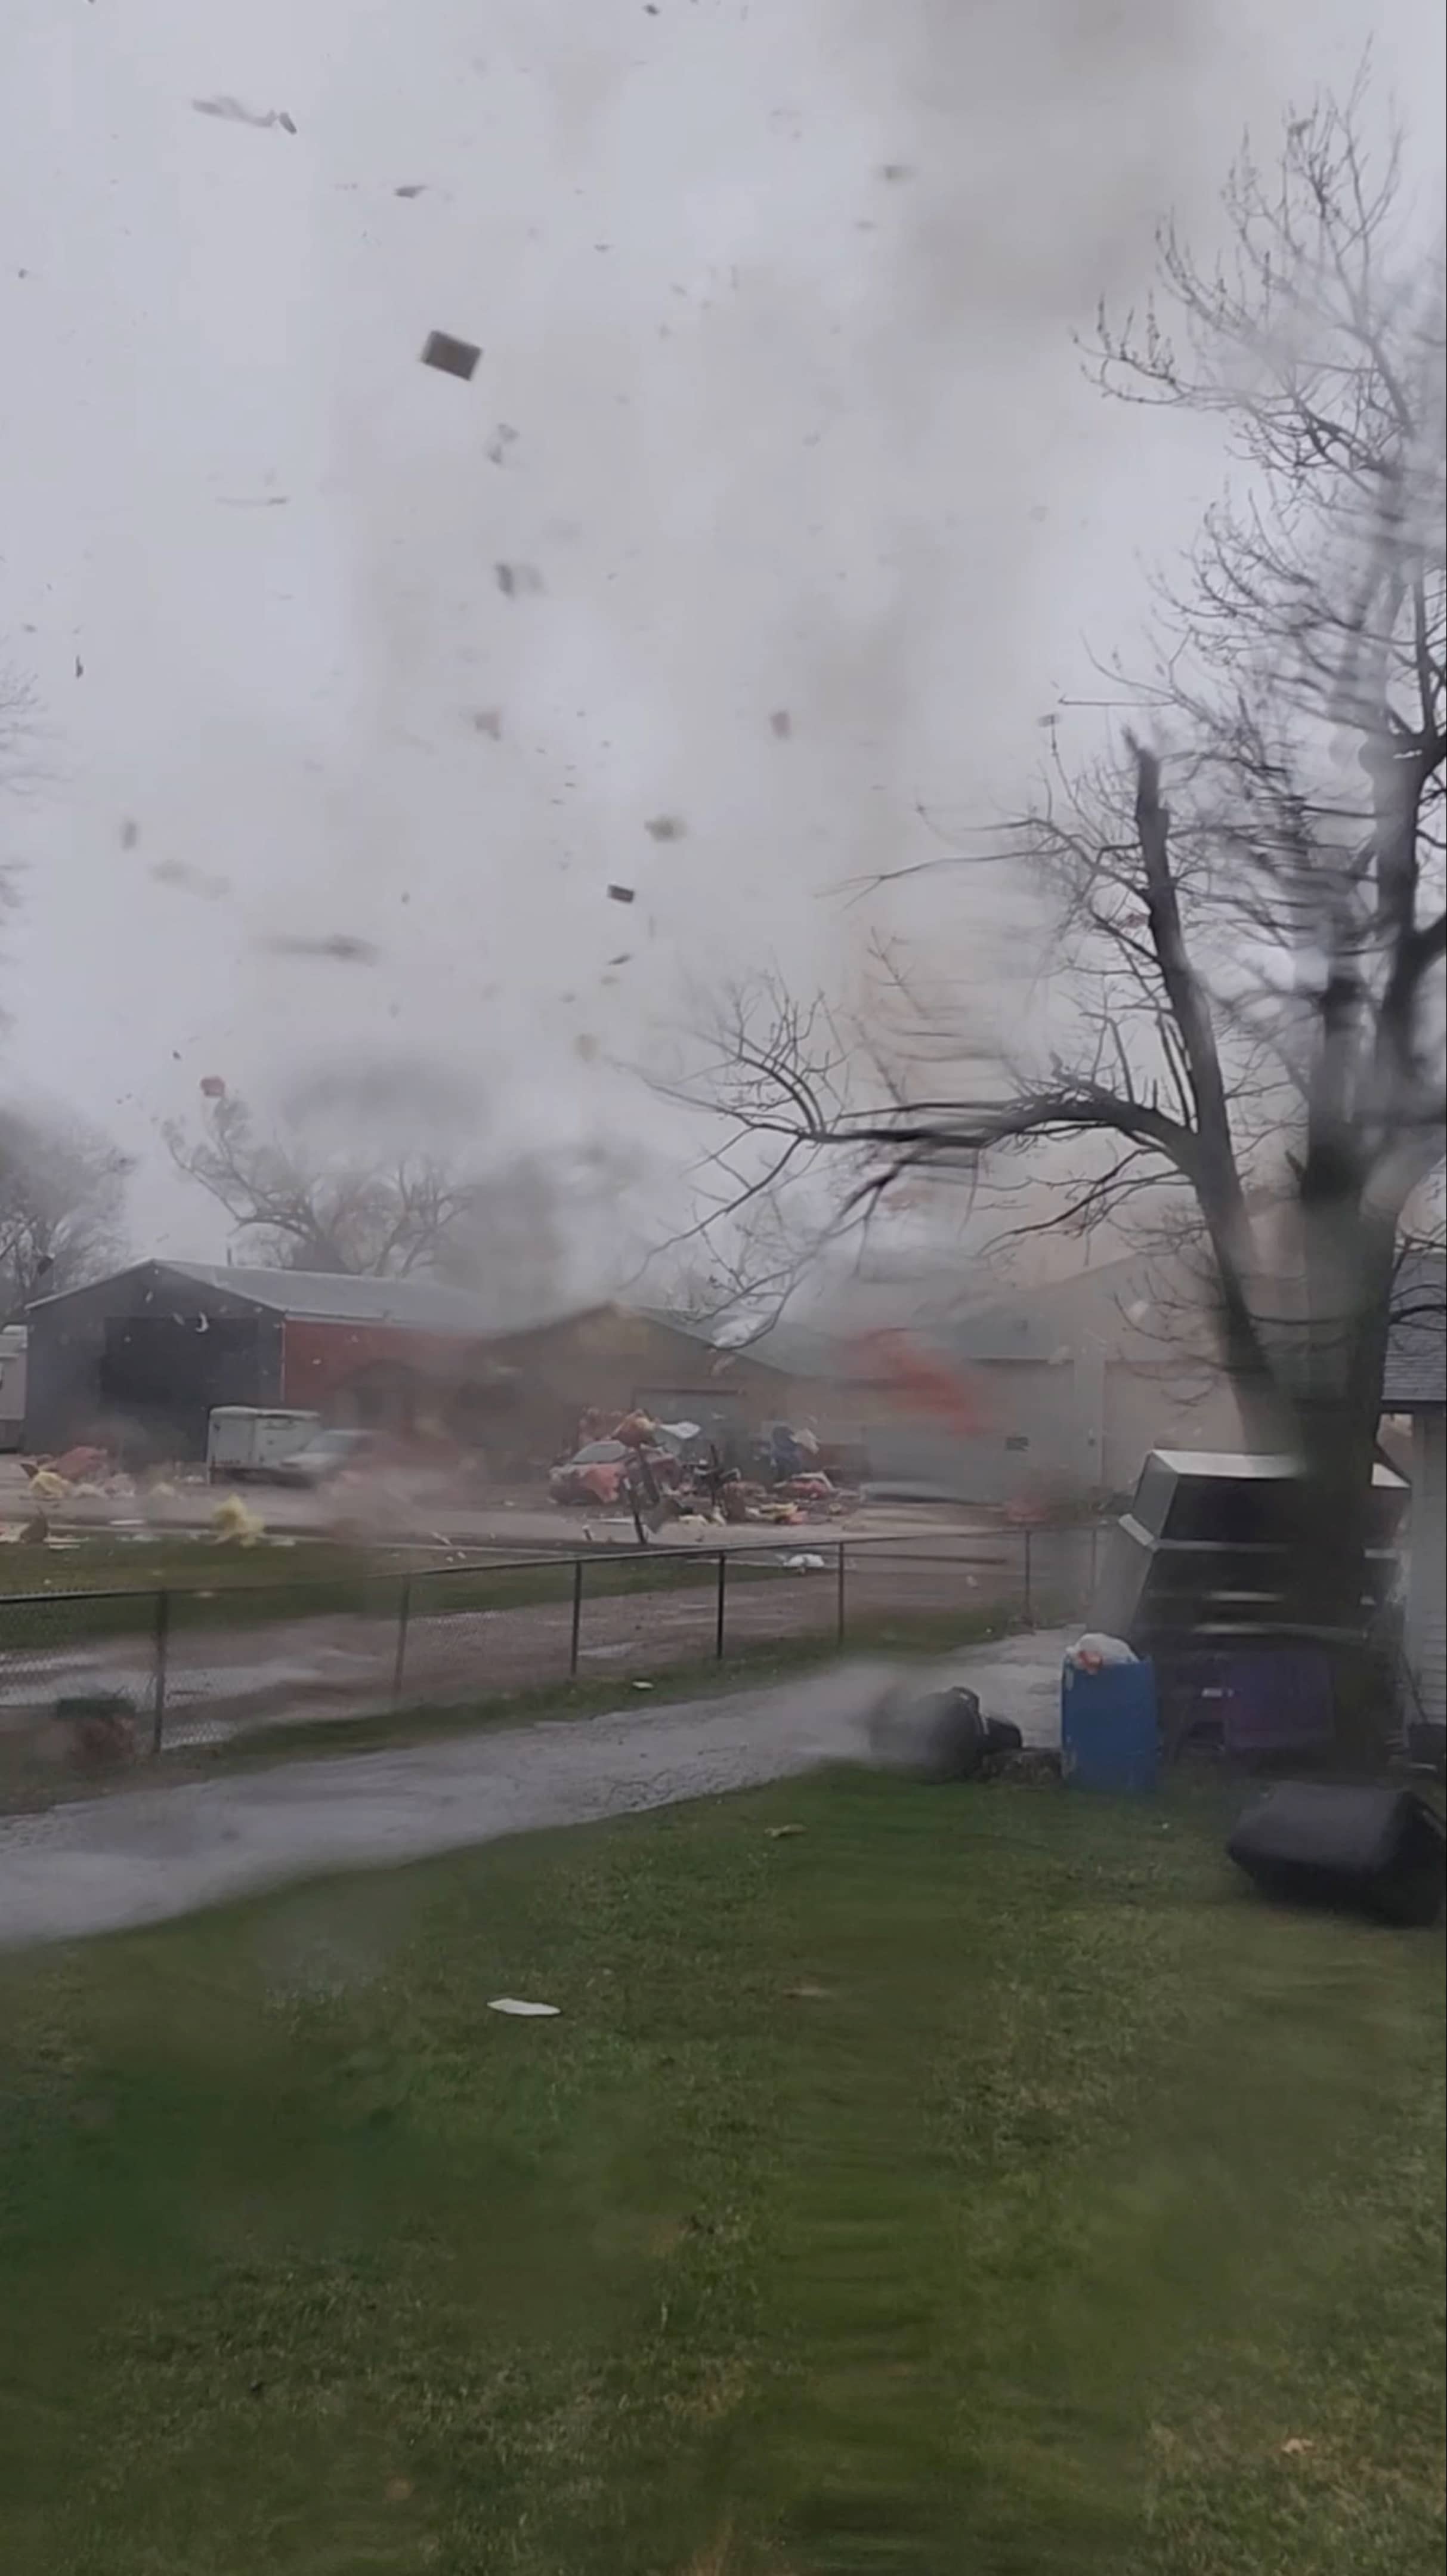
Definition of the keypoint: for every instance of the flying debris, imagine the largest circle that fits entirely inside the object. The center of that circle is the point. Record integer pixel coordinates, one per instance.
(503, 437)
(341, 948)
(175, 872)
(231, 111)
(666, 827)
(488, 720)
(212, 1087)
(451, 357)
(518, 581)
(781, 724)
(620, 894)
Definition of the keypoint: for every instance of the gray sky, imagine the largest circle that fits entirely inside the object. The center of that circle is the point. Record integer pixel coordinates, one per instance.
(789, 434)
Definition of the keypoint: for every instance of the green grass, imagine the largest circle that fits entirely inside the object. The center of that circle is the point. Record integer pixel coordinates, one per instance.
(975, 2184)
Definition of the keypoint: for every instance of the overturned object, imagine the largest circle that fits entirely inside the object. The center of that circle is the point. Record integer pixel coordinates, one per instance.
(1369, 1851)
(451, 357)
(932, 1735)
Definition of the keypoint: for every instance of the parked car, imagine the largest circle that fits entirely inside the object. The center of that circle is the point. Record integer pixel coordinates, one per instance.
(324, 1457)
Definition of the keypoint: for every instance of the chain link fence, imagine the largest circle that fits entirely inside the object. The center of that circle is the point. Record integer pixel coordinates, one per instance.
(129, 1673)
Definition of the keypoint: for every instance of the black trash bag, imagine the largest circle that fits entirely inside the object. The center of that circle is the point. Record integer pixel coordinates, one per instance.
(1002, 1735)
(934, 1735)
(1376, 1851)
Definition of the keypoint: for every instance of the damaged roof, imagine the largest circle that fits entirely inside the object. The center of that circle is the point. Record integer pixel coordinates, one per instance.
(340, 1297)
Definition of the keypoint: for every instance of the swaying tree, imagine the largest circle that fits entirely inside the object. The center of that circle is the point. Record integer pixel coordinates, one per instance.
(1246, 888)
(302, 1207)
(62, 1191)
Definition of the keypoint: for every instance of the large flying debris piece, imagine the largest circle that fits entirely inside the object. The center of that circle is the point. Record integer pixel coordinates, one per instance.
(451, 357)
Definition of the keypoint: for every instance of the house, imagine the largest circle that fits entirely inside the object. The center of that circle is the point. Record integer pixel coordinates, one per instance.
(613, 1359)
(1070, 1385)
(1415, 1386)
(140, 1359)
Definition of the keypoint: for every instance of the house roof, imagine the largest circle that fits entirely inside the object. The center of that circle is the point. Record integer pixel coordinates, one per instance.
(690, 1329)
(415, 1305)
(1415, 1378)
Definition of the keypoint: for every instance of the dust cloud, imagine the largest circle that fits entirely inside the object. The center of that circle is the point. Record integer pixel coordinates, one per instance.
(777, 406)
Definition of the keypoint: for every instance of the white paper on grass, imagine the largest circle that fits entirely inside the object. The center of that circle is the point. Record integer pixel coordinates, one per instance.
(521, 2011)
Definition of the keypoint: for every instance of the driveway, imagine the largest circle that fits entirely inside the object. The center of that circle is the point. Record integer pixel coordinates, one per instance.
(139, 1858)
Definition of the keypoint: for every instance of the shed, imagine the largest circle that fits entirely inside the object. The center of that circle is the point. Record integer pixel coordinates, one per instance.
(140, 1359)
(1415, 1384)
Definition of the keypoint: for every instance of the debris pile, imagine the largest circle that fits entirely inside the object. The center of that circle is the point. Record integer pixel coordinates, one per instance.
(84, 1469)
(671, 1471)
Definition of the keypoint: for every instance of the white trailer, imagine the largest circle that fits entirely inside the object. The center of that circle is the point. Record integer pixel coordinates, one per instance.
(252, 1440)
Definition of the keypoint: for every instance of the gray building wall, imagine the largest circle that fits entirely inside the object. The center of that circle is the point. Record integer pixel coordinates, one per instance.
(67, 1398)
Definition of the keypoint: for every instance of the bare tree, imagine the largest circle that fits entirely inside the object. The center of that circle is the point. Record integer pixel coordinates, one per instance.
(505, 1228)
(304, 1208)
(62, 1192)
(1248, 971)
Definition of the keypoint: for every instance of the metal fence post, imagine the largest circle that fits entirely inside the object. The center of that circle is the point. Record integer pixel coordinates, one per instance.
(577, 1627)
(404, 1621)
(162, 1633)
(839, 1598)
(718, 1631)
(1029, 1603)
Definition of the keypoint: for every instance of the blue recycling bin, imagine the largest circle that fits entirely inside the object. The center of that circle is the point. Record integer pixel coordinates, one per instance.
(1110, 1736)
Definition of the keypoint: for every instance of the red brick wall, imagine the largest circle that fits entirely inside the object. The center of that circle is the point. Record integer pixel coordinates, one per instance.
(320, 1359)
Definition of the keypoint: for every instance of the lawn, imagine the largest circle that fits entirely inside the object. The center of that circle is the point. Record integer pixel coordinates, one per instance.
(974, 2183)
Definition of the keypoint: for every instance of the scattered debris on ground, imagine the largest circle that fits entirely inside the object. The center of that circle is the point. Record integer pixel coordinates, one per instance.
(236, 1524)
(515, 2007)
(97, 1733)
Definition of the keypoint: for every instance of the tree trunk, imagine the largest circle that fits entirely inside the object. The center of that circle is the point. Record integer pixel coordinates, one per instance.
(1338, 1404)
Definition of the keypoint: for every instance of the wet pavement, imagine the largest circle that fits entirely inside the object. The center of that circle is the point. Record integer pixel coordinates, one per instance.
(146, 1855)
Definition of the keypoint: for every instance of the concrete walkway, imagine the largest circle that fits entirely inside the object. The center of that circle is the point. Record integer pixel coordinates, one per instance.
(139, 1858)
